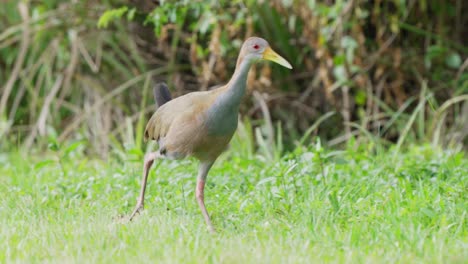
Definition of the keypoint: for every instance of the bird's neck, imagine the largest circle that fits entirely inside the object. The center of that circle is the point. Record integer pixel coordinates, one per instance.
(222, 115)
(235, 89)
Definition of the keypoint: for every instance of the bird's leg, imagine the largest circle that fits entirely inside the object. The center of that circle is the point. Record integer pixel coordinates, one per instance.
(199, 192)
(149, 159)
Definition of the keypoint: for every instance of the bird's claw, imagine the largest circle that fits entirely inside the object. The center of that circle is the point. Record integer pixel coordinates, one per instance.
(138, 209)
(211, 229)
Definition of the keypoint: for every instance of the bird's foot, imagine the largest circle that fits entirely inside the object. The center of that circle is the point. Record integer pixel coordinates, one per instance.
(138, 209)
(211, 229)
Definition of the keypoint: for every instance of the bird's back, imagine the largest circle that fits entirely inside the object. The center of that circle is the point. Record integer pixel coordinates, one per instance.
(182, 127)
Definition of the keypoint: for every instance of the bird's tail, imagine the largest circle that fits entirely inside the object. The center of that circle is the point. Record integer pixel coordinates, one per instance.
(161, 94)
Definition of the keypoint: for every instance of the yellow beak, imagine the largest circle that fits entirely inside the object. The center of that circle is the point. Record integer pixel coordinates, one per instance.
(271, 55)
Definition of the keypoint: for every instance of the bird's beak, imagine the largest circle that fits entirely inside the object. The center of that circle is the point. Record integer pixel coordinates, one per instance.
(271, 55)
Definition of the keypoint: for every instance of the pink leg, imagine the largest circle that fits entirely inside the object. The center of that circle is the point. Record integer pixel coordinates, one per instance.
(149, 159)
(199, 192)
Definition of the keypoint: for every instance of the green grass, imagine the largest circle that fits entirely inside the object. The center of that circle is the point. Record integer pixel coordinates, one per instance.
(308, 207)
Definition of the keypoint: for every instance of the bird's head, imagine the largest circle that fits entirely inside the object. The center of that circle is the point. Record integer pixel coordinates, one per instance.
(255, 49)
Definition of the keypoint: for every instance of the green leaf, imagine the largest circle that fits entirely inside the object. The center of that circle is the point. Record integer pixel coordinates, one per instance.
(73, 146)
(339, 60)
(453, 60)
(332, 197)
(53, 144)
(348, 42)
(339, 72)
(266, 180)
(360, 97)
(42, 164)
(131, 14)
(111, 15)
(205, 23)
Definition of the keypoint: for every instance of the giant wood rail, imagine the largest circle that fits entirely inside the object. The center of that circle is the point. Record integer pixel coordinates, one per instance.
(201, 124)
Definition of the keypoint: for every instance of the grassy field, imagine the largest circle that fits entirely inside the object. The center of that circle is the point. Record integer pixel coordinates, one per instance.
(309, 206)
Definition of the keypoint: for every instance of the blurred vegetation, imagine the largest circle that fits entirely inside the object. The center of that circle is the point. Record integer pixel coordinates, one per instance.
(370, 71)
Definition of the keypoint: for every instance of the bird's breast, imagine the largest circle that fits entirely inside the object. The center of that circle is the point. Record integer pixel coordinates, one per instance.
(221, 124)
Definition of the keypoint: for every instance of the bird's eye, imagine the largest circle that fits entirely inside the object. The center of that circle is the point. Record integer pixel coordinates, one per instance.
(256, 46)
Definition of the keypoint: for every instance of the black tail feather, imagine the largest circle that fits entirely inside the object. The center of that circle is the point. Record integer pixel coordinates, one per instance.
(161, 94)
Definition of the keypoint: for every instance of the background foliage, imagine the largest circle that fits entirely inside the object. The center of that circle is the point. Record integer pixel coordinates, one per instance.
(376, 71)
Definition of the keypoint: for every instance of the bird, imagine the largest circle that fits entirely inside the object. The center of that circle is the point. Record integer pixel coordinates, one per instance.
(201, 124)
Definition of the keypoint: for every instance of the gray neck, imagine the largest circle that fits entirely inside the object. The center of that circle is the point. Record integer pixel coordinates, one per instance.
(222, 115)
(232, 97)
(237, 85)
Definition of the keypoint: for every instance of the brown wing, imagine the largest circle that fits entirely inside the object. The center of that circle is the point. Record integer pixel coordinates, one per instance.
(177, 112)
